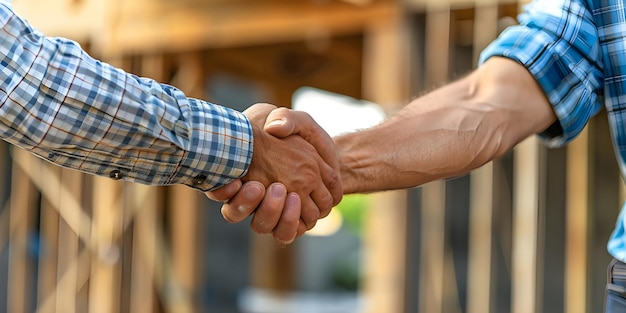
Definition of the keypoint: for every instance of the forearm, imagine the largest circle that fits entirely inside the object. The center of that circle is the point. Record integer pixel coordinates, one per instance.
(447, 132)
(62, 105)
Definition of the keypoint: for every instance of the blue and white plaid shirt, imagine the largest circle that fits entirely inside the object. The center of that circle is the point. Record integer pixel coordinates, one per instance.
(77, 112)
(576, 50)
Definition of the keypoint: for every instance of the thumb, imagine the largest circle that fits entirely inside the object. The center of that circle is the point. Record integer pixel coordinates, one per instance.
(280, 123)
(283, 122)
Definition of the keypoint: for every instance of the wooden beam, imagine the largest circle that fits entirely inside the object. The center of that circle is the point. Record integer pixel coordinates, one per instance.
(385, 81)
(63, 297)
(106, 226)
(526, 226)
(577, 225)
(23, 209)
(166, 27)
(184, 202)
(433, 254)
(49, 229)
(423, 5)
(480, 273)
(143, 211)
(66, 265)
(73, 20)
(185, 250)
(144, 254)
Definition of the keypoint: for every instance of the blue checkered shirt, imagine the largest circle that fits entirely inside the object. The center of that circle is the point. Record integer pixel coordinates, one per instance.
(576, 51)
(62, 105)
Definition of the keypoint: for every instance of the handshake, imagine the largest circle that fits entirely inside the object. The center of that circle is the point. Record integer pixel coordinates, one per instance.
(293, 179)
(298, 172)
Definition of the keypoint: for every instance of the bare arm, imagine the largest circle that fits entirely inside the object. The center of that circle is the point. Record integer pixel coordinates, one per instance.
(448, 132)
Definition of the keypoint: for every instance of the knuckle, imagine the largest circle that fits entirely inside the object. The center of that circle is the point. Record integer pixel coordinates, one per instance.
(310, 218)
(262, 221)
(309, 174)
(289, 220)
(310, 226)
(326, 204)
(306, 179)
(259, 228)
(335, 187)
(270, 210)
(334, 183)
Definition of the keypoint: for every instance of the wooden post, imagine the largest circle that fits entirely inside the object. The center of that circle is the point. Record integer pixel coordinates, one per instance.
(432, 260)
(49, 229)
(48, 180)
(106, 226)
(272, 267)
(527, 195)
(183, 206)
(480, 240)
(144, 209)
(385, 81)
(67, 265)
(23, 211)
(433, 255)
(144, 204)
(184, 202)
(480, 274)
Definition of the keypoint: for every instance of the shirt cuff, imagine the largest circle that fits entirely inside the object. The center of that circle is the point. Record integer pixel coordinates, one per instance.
(570, 81)
(219, 152)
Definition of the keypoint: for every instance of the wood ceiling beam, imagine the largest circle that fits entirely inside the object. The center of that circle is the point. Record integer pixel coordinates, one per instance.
(165, 28)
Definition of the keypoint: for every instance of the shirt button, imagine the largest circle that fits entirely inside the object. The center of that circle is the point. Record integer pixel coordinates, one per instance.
(199, 180)
(116, 174)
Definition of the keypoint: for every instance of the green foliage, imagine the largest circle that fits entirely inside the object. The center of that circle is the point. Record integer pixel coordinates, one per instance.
(353, 209)
(346, 273)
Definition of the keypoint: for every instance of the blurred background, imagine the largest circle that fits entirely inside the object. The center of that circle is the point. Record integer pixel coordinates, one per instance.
(525, 233)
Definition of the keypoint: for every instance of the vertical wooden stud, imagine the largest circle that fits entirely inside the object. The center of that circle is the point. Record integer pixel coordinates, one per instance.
(105, 276)
(577, 225)
(23, 212)
(49, 229)
(183, 204)
(385, 81)
(144, 203)
(526, 225)
(433, 260)
(481, 193)
(67, 264)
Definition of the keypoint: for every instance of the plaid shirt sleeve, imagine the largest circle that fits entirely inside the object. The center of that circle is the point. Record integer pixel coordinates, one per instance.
(557, 41)
(75, 111)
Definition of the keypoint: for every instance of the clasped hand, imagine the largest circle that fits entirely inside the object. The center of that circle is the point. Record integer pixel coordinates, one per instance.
(293, 179)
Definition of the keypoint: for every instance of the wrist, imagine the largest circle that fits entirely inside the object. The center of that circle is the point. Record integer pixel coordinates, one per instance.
(257, 162)
(359, 162)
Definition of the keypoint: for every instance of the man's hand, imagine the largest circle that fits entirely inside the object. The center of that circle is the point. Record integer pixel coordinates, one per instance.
(313, 182)
(243, 200)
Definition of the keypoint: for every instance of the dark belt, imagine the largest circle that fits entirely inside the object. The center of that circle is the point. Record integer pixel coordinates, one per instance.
(617, 277)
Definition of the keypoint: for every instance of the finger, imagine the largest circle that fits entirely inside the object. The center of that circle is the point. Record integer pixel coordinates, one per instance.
(283, 122)
(244, 202)
(225, 192)
(332, 183)
(301, 228)
(287, 228)
(323, 200)
(310, 212)
(267, 215)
